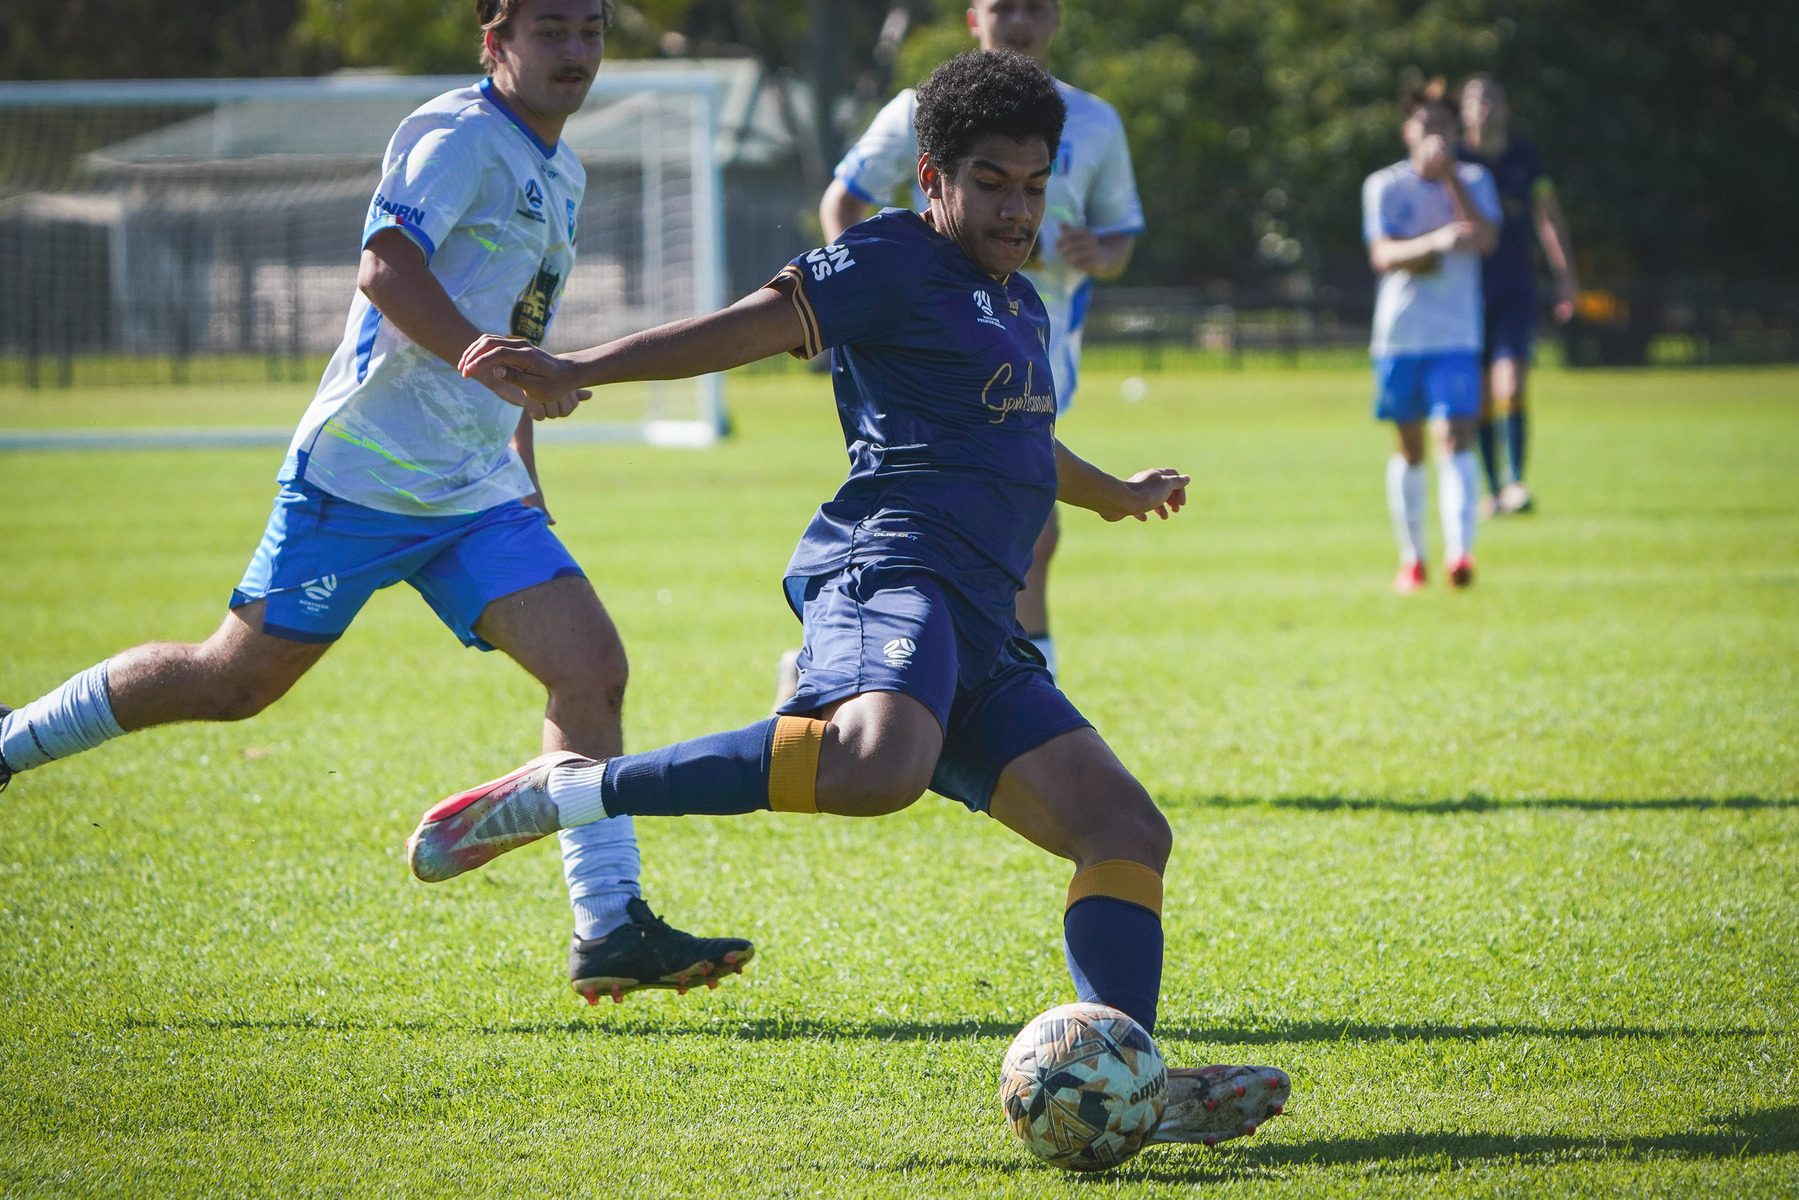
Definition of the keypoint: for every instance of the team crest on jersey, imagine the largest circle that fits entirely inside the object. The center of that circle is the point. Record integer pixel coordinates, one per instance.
(984, 302)
(829, 260)
(533, 201)
(531, 315)
(570, 206)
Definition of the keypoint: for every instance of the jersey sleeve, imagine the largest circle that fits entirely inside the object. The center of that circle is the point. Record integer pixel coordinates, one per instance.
(1374, 223)
(1114, 207)
(858, 289)
(885, 156)
(426, 189)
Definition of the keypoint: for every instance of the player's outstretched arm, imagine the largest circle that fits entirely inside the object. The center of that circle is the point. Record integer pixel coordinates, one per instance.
(1161, 490)
(760, 325)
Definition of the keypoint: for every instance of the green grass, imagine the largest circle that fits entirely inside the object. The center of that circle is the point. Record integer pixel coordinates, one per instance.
(1508, 880)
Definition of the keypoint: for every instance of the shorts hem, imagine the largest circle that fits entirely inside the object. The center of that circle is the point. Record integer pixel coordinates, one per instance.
(288, 634)
(799, 704)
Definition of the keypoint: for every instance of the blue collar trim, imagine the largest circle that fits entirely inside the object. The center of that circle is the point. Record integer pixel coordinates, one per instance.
(493, 98)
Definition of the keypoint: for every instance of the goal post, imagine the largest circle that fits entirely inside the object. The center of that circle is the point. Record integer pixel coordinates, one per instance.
(186, 230)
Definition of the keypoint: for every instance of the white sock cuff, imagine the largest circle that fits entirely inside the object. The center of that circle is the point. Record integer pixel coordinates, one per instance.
(575, 791)
(76, 716)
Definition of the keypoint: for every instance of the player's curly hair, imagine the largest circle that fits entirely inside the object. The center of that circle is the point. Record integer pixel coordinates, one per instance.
(496, 15)
(984, 92)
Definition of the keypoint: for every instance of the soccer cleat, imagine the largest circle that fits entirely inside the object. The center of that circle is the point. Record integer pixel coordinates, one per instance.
(1461, 572)
(476, 826)
(1488, 508)
(646, 952)
(1409, 579)
(1209, 1105)
(787, 678)
(1514, 497)
(5, 771)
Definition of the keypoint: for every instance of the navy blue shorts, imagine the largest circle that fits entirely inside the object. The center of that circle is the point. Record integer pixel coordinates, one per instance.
(322, 557)
(1411, 387)
(1511, 329)
(871, 628)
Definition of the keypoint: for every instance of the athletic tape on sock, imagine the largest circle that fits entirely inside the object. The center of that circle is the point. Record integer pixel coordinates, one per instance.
(793, 764)
(1120, 879)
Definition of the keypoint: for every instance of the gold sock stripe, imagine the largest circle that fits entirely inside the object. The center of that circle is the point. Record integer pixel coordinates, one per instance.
(793, 765)
(1120, 879)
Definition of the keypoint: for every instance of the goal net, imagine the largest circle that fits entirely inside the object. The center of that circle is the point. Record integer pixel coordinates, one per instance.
(207, 230)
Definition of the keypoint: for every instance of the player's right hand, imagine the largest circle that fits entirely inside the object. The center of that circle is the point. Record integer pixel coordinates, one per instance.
(519, 373)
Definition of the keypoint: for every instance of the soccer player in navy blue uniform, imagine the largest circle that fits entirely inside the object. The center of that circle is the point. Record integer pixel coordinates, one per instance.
(915, 672)
(1509, 280)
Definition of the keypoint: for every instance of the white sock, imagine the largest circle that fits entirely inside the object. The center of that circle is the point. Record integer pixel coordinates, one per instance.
(1457, 489)
(1046, 646)
(77, 716)
(575, 791)
(600, 864)
(1405, 501)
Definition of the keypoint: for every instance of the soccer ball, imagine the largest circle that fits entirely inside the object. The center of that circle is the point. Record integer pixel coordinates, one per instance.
(1083, 1086)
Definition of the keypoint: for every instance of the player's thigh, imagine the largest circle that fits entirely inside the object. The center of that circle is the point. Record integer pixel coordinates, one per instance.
(559, 632)
(1072, 797)
(878, 754)
(242, 646)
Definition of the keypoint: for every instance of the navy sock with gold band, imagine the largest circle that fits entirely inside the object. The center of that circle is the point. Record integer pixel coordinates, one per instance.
(1112, 936)
(771, 764)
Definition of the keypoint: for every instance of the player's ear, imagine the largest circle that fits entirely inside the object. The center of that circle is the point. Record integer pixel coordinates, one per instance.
(930, 179)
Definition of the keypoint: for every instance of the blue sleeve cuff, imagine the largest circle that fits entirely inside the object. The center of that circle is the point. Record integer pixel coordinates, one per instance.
(419, 236)
(1134, 228)
(856, 190)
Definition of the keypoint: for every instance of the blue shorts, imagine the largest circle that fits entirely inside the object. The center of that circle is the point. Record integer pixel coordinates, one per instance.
(871, 628)
(1511, 328)
(1410, 387)
(322, 557)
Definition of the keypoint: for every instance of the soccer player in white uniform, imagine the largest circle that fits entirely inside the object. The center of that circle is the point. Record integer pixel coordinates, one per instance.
(1428, 219)
(401, 469)
(1089, 229)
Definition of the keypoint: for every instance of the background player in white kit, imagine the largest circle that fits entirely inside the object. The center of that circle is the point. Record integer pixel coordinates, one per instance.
(1089, 228)
(1427, 220)
(401, 469)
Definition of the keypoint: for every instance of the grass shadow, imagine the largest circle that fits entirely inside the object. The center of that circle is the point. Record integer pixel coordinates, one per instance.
(1474, 803)
(1750, 1133)
(802, 1028)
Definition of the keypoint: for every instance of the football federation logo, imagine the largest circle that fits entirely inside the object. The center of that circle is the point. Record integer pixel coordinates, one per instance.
(984, 302)
(533, 201)
(899, 651)
(570, 206)
(318, 593)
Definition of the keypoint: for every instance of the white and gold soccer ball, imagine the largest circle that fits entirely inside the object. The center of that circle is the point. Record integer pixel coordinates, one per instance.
(1083, 1087)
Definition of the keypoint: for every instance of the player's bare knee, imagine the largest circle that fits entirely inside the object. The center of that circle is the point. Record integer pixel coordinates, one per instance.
(1131, 827)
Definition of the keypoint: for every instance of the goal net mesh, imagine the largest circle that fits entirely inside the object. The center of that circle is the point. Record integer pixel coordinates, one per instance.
(208, 231)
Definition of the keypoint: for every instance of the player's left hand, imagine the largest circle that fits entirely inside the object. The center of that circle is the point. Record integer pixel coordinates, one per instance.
(1565, 292)
(1161, 490)
(1080, 249)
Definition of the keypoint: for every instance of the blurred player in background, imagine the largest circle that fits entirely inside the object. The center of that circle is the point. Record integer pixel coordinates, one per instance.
(916, 671)
(1427, 220)
(1089, 230)
(402, 469)
(1509, 281)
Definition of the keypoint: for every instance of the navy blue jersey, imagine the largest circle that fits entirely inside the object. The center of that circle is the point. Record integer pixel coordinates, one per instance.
(947, 405)
(1509, 271)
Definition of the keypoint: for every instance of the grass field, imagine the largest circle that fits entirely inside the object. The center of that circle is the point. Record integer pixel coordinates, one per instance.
(1520, 866)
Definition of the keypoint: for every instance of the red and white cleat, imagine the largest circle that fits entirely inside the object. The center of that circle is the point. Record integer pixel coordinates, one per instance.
(1209, 1105)
(476, 826)
(1461, 572)
(1409, 579)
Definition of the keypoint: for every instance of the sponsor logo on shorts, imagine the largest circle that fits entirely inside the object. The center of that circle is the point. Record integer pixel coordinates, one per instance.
(899, 651)
(318, 593)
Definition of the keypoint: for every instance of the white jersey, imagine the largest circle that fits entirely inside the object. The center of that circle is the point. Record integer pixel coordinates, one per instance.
(393, 426)
(1438, 311)
(1091, 186)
